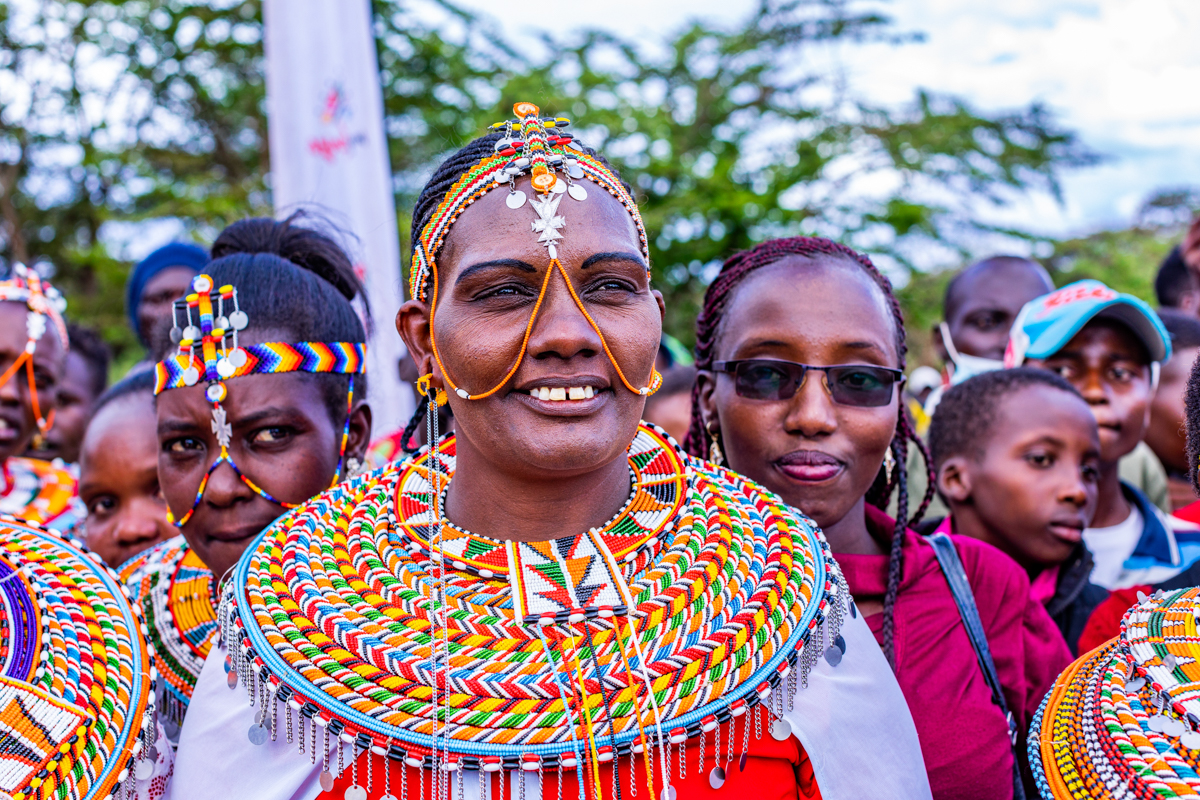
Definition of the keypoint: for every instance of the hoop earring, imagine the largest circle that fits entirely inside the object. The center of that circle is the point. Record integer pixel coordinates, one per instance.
(889, 464)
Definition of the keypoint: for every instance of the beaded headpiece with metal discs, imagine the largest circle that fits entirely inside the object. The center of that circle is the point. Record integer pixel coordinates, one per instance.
(43, 301)
(76, 675)
(1124, 720)
(177, 594)
(209, 351)
(354, 623)
(532, 146)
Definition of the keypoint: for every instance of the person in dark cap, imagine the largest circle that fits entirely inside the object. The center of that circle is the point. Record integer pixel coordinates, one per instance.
(157, 281)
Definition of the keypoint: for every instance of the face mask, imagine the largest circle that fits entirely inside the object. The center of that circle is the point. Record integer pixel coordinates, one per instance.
(965, 366)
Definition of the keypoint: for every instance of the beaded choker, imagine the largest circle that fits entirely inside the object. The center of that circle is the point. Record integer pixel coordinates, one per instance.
(1124, 720)
(76, 676)
(177, 594)
(42, 300)
(210, 351)
(554, 161)
(703, 598)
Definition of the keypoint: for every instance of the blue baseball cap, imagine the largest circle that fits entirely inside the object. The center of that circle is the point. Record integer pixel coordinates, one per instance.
(1047, 323)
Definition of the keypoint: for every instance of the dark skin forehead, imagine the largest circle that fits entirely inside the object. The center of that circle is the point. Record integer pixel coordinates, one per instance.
(1004, 283)
(754, 315)
(488, 231)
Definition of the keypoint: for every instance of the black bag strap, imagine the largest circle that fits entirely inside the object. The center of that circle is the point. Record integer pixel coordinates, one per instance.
(964, 598)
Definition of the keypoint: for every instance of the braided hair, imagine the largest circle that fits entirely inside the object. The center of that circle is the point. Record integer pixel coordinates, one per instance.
(716, 302)
(432, 195)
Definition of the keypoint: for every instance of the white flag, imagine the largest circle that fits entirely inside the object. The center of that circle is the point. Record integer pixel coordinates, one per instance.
(329, 154)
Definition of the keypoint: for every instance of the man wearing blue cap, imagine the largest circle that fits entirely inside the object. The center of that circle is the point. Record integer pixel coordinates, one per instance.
(161, 278)
(1110, 346)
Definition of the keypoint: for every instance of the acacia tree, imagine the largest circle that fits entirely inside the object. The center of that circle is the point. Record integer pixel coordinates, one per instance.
(120, 112)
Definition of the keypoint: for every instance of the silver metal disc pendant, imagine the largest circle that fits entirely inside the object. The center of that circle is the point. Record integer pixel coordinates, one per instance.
(222, 323)
(853, 610)
(231, 679)
(716, 777)
(781, 729)
(257, 735)
(516, 199)
(742, 763)
(326, 780)
(176, 334)
(575, 171)
(1190, 740)
(1134, 685)
(840, 643)
(191, 332)
(559, 186)
(1173, 727)
(1158, 723)
(238, 358)
(144, 769)
(668, 793)
(239, 320)
(191, 376)
(224, 368)
(577, 192)
(833, 655)
(356, 792)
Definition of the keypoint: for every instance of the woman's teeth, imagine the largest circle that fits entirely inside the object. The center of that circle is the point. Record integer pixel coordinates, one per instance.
(563, 393)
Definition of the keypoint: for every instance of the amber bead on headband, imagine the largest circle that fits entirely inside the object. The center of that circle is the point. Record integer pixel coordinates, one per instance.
(556, 165)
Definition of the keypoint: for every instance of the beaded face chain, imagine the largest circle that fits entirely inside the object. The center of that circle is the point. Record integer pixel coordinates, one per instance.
(42, 300)
(1124, 720)
(219, 357)
(534, 146)
(448, 651)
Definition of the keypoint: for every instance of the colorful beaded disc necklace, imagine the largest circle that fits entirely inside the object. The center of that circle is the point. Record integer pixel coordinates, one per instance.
(177, 594)
(76, 676)
(437, 648)
(1124, 720)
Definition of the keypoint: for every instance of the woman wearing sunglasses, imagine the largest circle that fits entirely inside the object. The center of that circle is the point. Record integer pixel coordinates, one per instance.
(800, 351)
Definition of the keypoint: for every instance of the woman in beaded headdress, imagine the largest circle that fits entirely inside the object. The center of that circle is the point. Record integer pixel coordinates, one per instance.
(561, 602)
(261, 408)
(33, 351)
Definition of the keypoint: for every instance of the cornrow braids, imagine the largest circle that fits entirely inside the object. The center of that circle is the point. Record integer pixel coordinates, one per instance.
(716, 302)
(1191, 405)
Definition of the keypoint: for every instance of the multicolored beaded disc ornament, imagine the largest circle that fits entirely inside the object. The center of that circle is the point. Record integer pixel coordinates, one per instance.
(76, 676)
(209, 351)
(177, 595)
(359, 617)
(1124, 720)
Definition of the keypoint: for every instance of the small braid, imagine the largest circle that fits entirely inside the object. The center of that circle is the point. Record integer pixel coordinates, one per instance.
(716, 302)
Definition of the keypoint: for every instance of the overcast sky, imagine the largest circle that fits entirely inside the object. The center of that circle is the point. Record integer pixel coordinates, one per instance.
(1125, 74)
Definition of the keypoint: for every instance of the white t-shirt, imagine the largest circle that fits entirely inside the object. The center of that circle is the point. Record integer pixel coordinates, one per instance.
(1111, 546)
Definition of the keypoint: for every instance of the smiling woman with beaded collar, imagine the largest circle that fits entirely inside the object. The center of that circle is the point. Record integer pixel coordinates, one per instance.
(561, 602)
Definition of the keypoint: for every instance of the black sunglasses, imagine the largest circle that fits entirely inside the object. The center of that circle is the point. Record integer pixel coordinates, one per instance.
(848, 384)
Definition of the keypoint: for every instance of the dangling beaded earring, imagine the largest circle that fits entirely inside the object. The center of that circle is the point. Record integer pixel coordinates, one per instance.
(889, 464)
(714, 448)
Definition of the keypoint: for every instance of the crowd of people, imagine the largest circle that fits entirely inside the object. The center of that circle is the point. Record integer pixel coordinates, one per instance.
(784, 564)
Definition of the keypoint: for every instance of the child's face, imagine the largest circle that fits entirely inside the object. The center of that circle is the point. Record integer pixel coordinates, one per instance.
(1167, 412)
(1109, 366)
(118, 481)
(1033, 489)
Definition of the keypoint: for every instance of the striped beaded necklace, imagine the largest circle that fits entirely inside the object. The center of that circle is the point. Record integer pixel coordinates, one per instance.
(703, 598)
(1124, 720)
(177, 594)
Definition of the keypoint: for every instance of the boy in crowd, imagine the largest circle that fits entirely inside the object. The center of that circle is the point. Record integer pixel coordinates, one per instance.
(1165, 435)
(1175, 286)
(84, 380)
(1110, 347)
(1017, 458)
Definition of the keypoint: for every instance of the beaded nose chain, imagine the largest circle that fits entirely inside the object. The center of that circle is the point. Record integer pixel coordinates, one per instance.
(534, 146)
(42, 300)
(220, 357)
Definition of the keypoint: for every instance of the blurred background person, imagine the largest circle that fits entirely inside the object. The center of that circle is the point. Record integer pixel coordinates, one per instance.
(156, 282)
(670, 407)
(1165, 435)
(1175, 286)
(84, 380)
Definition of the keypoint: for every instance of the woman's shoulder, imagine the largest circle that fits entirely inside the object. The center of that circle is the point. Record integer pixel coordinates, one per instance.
(989, 569)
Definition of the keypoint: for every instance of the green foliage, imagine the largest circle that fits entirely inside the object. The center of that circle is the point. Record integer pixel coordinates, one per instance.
(128, 111)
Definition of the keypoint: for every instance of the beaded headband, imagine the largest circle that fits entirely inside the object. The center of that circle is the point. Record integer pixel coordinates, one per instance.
(555, 161)
(220, 357)
(42, 300)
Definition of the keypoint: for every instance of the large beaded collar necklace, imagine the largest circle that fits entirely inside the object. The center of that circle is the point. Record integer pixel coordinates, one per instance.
(177, 594)
(76, 675)
(1124, 720)
(209, 351)
(355, 622)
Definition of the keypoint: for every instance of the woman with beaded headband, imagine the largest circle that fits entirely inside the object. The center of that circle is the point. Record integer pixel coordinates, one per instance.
(33, 351)
(260, 408)
(558, 602)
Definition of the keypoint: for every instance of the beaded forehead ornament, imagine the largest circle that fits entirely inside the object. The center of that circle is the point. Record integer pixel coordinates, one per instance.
(42, 300)
(220, 357)
(554, 161)
(76, 676)
(1124, 720)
